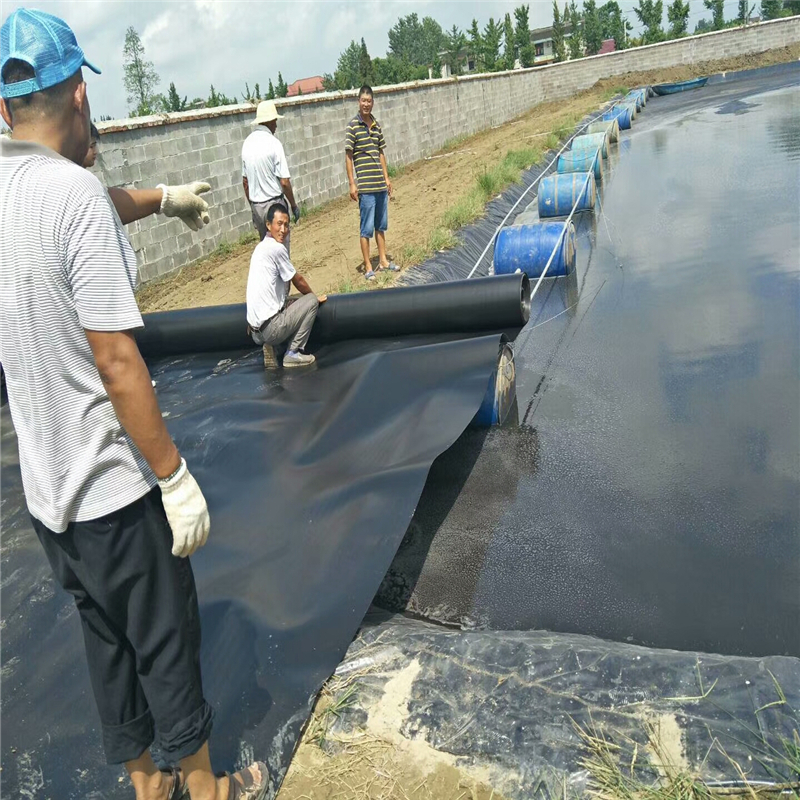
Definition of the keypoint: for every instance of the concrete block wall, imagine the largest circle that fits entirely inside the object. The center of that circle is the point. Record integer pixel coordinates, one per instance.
(418, 119)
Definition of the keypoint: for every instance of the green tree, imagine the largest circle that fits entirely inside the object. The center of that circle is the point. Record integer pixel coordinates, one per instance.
(139, 76)
(416, 41)
(771, 9)
(592, 31)
(476, 45)
(281, 88)
(456, 42)
(434, 41)
(509, 44)
(650, 13)
(522, 36)
(216, 98)
(613, 24)
(678, 16)
(270, 91)
(174, 102)
(703, 26)
(576, 38)
(559, 49)
(365, 73)
(347, 71)
(492, 36)
(392, 70)
(257, 92)
(717, 9)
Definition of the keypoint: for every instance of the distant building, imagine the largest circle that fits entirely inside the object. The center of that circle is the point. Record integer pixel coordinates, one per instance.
(608, 46)
(541, 39)
(306, 86)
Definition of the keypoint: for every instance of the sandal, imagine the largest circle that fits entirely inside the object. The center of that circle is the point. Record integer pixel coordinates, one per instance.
(179, 789)
(242, 785)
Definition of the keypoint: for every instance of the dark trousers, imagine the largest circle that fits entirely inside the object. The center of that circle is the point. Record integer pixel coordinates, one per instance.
(141, 628)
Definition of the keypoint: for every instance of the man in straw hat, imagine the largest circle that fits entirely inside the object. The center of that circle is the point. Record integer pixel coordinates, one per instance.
(265, 171)
(111, 500)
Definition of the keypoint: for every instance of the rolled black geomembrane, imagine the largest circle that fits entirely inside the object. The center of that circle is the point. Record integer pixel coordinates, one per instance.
(485, 304)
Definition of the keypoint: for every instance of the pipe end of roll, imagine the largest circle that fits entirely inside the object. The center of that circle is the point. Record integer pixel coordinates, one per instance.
(502, 390)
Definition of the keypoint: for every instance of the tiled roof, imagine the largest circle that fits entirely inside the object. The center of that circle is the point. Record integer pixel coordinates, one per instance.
(608, 46)
(305, 86)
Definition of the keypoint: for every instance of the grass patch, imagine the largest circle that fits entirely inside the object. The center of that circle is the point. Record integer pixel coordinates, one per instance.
(411, 254)
(329, 711)
(247, 238)
(452, 144)
(351, 284)
(467, 208)
(222, 250)
(441, 238)
(552, 141)
(610, 94)
(395, 171)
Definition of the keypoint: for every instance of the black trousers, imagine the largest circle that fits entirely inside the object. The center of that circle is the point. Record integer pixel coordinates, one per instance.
(141, 628)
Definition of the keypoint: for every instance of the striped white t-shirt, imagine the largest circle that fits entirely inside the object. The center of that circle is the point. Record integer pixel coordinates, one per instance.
(66, 266)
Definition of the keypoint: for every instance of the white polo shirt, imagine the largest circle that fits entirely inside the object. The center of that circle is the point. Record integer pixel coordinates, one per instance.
(66, 266)
(263, 164)
(268, 281)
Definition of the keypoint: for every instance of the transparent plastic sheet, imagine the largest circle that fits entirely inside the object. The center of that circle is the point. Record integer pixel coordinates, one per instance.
(507, 708)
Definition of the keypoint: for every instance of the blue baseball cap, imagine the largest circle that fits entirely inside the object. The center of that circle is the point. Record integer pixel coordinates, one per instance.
(44, 42)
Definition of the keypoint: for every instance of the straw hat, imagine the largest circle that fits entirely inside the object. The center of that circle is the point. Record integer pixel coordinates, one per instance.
(266, 112)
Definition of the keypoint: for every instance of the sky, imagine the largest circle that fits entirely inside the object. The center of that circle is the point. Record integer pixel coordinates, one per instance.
(229, 42)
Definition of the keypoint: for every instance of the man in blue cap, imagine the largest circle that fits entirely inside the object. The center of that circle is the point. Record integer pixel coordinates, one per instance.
(111, 499)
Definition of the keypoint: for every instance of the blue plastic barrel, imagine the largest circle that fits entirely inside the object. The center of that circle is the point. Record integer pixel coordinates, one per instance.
(634, 97)
(527, 248)
(591, 141)
(501, 392)
(580, 161)
(631, 106)
(609, 127)
(591, 151)
(621, 115)
(559, 193)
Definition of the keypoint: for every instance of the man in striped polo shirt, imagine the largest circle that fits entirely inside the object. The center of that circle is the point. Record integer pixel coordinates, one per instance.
(111, 500)
(369, 180)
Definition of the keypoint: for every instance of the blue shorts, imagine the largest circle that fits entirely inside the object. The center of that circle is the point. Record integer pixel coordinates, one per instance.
(374, 208)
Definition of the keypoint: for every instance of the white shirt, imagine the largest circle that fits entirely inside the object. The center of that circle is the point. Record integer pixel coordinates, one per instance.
(267, 281)
(65, 266)
(263, 164)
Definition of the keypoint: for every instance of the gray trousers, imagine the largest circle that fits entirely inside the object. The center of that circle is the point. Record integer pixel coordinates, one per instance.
(293, 324)
(260, 216)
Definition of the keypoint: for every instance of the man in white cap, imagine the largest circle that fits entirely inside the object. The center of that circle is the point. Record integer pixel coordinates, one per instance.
(111, 500)
(265, 171)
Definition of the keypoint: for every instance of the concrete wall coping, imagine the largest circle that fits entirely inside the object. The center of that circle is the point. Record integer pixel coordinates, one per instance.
(176, 117)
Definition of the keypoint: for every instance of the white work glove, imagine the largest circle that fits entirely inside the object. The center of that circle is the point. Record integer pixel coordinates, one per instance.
(187, 512)
(185, 202)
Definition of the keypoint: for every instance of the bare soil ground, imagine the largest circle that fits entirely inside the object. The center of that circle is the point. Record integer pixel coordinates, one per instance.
(325, 245)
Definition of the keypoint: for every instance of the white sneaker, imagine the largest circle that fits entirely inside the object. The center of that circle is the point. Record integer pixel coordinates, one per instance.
(296, 359)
